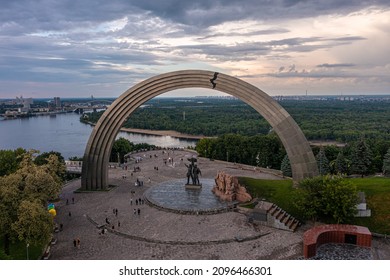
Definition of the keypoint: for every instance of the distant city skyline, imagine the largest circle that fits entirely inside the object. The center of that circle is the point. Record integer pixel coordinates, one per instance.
(72, 48)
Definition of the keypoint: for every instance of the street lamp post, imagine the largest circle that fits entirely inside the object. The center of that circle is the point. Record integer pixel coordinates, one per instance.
(27, 245)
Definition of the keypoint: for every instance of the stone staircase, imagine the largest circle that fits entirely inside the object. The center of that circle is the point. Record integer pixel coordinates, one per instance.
(285, 219)
(270, 214)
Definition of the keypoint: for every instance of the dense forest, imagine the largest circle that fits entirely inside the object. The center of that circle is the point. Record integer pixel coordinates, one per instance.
(319, 119)
(244, 136)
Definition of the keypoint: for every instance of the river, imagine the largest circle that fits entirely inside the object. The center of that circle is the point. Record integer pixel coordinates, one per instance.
(66, 134)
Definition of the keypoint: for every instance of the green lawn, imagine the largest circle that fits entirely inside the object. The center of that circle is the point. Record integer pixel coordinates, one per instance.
(377, 190)
(280, 192)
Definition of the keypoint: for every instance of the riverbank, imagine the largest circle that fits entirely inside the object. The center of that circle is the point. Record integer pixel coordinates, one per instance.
(170, 133)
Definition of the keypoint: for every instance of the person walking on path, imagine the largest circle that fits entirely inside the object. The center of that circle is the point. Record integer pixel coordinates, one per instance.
(75, 242)
(78, 243)
(139, 211)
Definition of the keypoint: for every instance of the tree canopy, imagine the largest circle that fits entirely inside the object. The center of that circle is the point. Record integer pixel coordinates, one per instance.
(324, 120)
(327, 198)
(122, 146)
(361, 158)
(24, 195)
(260, 150)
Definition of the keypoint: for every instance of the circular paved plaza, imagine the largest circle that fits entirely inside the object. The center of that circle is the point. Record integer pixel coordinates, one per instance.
(139, 230)
(173, 195)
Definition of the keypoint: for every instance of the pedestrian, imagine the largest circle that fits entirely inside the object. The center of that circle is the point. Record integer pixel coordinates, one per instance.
(116, 212)
(113, 227)
(67, 201)
(139, 211)
(107, 221)
(78, 243)
(131, 201)
(119, 224)
(75, 242)
(73, 200)
(61, 227)
(70, 214)
(136, 202)
(135, 211)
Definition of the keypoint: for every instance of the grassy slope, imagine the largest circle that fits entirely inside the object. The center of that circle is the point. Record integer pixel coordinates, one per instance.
(280, 192)
(377, 192)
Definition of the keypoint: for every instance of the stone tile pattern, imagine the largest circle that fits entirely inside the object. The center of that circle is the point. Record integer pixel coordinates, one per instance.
(162, 235)
(157, 234)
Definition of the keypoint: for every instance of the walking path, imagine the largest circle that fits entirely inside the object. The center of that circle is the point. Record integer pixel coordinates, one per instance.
(151, 233)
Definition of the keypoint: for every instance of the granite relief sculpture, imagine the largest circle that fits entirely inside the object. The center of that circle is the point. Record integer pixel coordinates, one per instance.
(228, 188)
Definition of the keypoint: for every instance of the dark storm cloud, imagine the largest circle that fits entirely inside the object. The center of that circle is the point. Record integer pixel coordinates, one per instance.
(56, 15)
(250, 50)
(82, 42)
(205, 12)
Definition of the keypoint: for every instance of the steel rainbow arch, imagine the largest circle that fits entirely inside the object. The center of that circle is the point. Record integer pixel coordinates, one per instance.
(97, 151)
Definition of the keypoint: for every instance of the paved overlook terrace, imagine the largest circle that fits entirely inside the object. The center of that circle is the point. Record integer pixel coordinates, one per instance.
(156, 234)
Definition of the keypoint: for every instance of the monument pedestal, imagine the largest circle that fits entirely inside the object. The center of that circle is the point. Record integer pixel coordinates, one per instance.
(193, 187)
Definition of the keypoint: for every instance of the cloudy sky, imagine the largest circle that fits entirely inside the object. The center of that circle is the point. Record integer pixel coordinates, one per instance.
(285, 47)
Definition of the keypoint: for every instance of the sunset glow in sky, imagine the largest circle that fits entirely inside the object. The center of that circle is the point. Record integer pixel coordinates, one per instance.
(73, 48)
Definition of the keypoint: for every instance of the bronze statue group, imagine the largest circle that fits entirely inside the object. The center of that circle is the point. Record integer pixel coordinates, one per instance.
(193, 172)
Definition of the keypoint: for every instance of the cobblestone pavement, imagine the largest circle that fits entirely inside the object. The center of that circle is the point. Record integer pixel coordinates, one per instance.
(157, 234)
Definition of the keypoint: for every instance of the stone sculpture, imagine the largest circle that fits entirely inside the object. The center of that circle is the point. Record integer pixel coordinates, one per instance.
(227, 188)
(193, 172)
